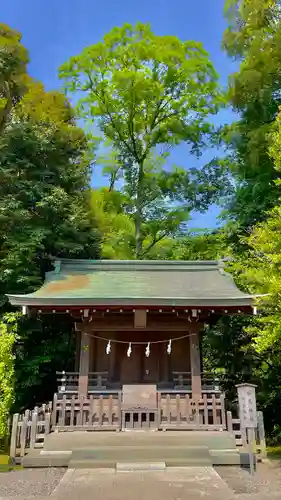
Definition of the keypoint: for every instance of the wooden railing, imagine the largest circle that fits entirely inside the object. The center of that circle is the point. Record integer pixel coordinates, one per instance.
(182, 411)
(210, 382)
(240, 434)
(68, 382)
(106, 412)
(97, 412)
(29, 429)
(172, 411)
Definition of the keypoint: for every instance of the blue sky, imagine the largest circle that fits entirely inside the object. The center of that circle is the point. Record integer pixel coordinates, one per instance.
(54, 30)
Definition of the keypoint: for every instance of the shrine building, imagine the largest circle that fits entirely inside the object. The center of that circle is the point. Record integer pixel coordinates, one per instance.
(138, 328)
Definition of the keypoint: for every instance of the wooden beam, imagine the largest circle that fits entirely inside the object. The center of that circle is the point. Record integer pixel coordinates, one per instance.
(140, 318)
(84, 364)
(109, 325)
(195, 361)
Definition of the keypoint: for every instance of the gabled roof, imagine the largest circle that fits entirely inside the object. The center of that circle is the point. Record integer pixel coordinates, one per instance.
(114, 283)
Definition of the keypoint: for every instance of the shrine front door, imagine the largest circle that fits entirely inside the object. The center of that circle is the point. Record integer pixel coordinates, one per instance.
(130, 366)
(150, 365)
(138, 368)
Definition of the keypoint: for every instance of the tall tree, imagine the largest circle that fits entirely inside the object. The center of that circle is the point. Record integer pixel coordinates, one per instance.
(45, 171)
(253, 38)
(147, 94)
(13, 77)
(43, 200)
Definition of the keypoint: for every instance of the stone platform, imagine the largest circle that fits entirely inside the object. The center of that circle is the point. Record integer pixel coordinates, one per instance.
(114, 449)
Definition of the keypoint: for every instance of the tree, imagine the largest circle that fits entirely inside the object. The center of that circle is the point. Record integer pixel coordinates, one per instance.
(115, 226)
(260, 272)
(253, 38)
(13, 77)
(147, 94)
(42, 207)
(202, 245)
(44, 213)
(45, 171)
(8, 327)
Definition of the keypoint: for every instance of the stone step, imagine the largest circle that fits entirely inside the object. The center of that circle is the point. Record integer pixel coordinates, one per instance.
(92, 464)
(58, 460)
(134, 454)
(109, 458)
(81, 439)
(134, 466)
(225, 457)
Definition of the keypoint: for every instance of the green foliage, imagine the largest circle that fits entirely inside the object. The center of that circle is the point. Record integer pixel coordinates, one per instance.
(116, 227)
(43, 203)
(44, 346)
(227, 349)
(45, 171)
(8, 330)
(201, 245)
(147, 94)
(13, 78)
(253, 36)
(263, 272)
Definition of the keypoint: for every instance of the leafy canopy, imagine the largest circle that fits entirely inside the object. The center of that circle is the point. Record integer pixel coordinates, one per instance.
(147, 94)
(13, 77)
(253, 37)
(45, 170)
(144, 90)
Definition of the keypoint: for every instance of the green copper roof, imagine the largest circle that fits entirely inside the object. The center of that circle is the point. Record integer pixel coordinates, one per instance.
(182, 283)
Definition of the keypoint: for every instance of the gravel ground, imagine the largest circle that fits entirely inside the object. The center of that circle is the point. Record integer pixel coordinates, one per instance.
(35, 484)
(266, 482)
(29, 482)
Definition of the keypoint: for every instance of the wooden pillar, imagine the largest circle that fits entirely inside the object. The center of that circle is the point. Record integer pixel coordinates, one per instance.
(84, 364)
(111, 360)
(77, 350)
(195, 361)
(165, 363)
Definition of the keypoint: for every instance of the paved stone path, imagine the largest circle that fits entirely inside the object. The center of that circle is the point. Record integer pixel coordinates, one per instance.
(191, 483)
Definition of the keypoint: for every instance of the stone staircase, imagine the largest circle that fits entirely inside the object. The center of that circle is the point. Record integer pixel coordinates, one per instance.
(131, 449)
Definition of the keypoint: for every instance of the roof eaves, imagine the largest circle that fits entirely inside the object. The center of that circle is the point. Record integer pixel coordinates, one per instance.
(21, 300)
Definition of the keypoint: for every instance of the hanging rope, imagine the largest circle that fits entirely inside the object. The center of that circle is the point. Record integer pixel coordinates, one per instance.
(140, 343)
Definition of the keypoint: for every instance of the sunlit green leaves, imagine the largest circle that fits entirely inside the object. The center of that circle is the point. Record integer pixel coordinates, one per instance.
(148, 93)
(8, 331)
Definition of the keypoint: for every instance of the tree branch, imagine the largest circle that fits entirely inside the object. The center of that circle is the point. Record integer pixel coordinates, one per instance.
(154, 242)
(103, 100)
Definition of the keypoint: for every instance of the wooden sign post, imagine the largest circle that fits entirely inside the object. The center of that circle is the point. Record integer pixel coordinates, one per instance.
(248, 416)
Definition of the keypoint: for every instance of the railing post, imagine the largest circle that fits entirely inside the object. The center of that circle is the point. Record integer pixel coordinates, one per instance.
(23, 435)
(13, 444)
(159, 410)
(195, 361)
(119, 411)
(47, 423)
(229, 422)
(33, 429)
(222, 401)
(54, 411)
(84, 364)
(261, 435)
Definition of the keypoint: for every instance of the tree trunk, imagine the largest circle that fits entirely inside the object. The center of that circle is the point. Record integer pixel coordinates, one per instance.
(138, 233)
(138, 216)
